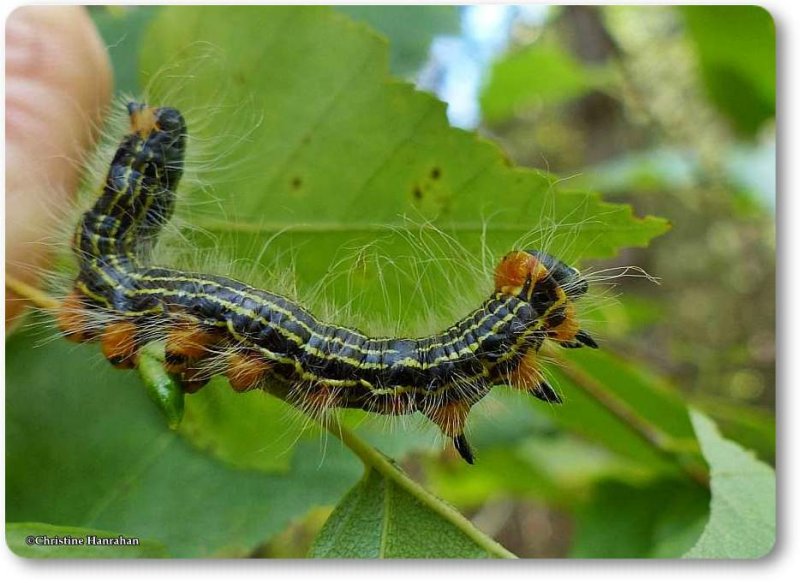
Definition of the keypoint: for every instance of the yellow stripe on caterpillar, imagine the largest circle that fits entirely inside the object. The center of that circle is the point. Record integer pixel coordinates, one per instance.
(217, 325)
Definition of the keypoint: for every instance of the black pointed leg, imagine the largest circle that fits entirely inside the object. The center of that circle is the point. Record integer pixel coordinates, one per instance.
(463, 448)
(546, 393)
(583, 337)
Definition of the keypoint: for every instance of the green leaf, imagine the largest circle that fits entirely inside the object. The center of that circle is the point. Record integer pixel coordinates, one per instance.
(396, 437)
(322, 156)
(409, 29)
(248, 431)
(379, 519)
(302, 150)
(521, 453)
(318, 161)
(86, 447)
(736, 48)
(751, 427)
(742, 521)
(631, 412)
(661, 519)
(18, 532)
(122, 29)
(538, 75)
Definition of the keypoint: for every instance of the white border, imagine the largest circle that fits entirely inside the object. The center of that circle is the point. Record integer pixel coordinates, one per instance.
(781, 563)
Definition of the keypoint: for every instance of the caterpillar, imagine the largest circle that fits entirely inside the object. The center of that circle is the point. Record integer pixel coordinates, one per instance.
(213, 324)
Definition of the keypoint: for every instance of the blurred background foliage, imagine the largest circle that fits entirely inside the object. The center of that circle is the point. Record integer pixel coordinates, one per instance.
(670, 109)
(673, 110)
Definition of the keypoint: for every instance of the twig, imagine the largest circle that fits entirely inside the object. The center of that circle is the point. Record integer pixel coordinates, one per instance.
(34, 295)
(652, 434)
(371, 457)
(374, 459)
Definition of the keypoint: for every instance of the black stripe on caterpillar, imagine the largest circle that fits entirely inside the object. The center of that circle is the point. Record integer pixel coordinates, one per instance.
(263, 338)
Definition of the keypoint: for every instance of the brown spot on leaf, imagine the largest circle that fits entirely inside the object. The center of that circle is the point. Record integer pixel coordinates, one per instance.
(436, 173)
(417, 192)
(297, 182)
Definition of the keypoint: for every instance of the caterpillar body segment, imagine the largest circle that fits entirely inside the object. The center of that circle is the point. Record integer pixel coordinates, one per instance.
(73, 319)
(246, 371)
(217, 325)
(119, 344)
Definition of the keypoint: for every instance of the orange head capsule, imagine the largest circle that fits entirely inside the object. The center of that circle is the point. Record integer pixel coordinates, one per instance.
(143, 118)
(519, 272)
(551, 287)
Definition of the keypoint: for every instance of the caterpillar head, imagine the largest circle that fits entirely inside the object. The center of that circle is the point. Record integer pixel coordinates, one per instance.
(146, 120)
(520, 273)
(551, 287)
(162, 131)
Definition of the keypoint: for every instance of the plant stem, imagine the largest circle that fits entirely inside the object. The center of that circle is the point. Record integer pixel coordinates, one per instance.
(374, 459)
(652, 434)
(34, 295)
(371, 457)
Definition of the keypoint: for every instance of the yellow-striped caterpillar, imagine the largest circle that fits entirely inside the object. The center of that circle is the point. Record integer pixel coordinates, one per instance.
(213, 323)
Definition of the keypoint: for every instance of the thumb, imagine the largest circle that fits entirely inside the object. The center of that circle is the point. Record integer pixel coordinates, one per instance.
(58, 82)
